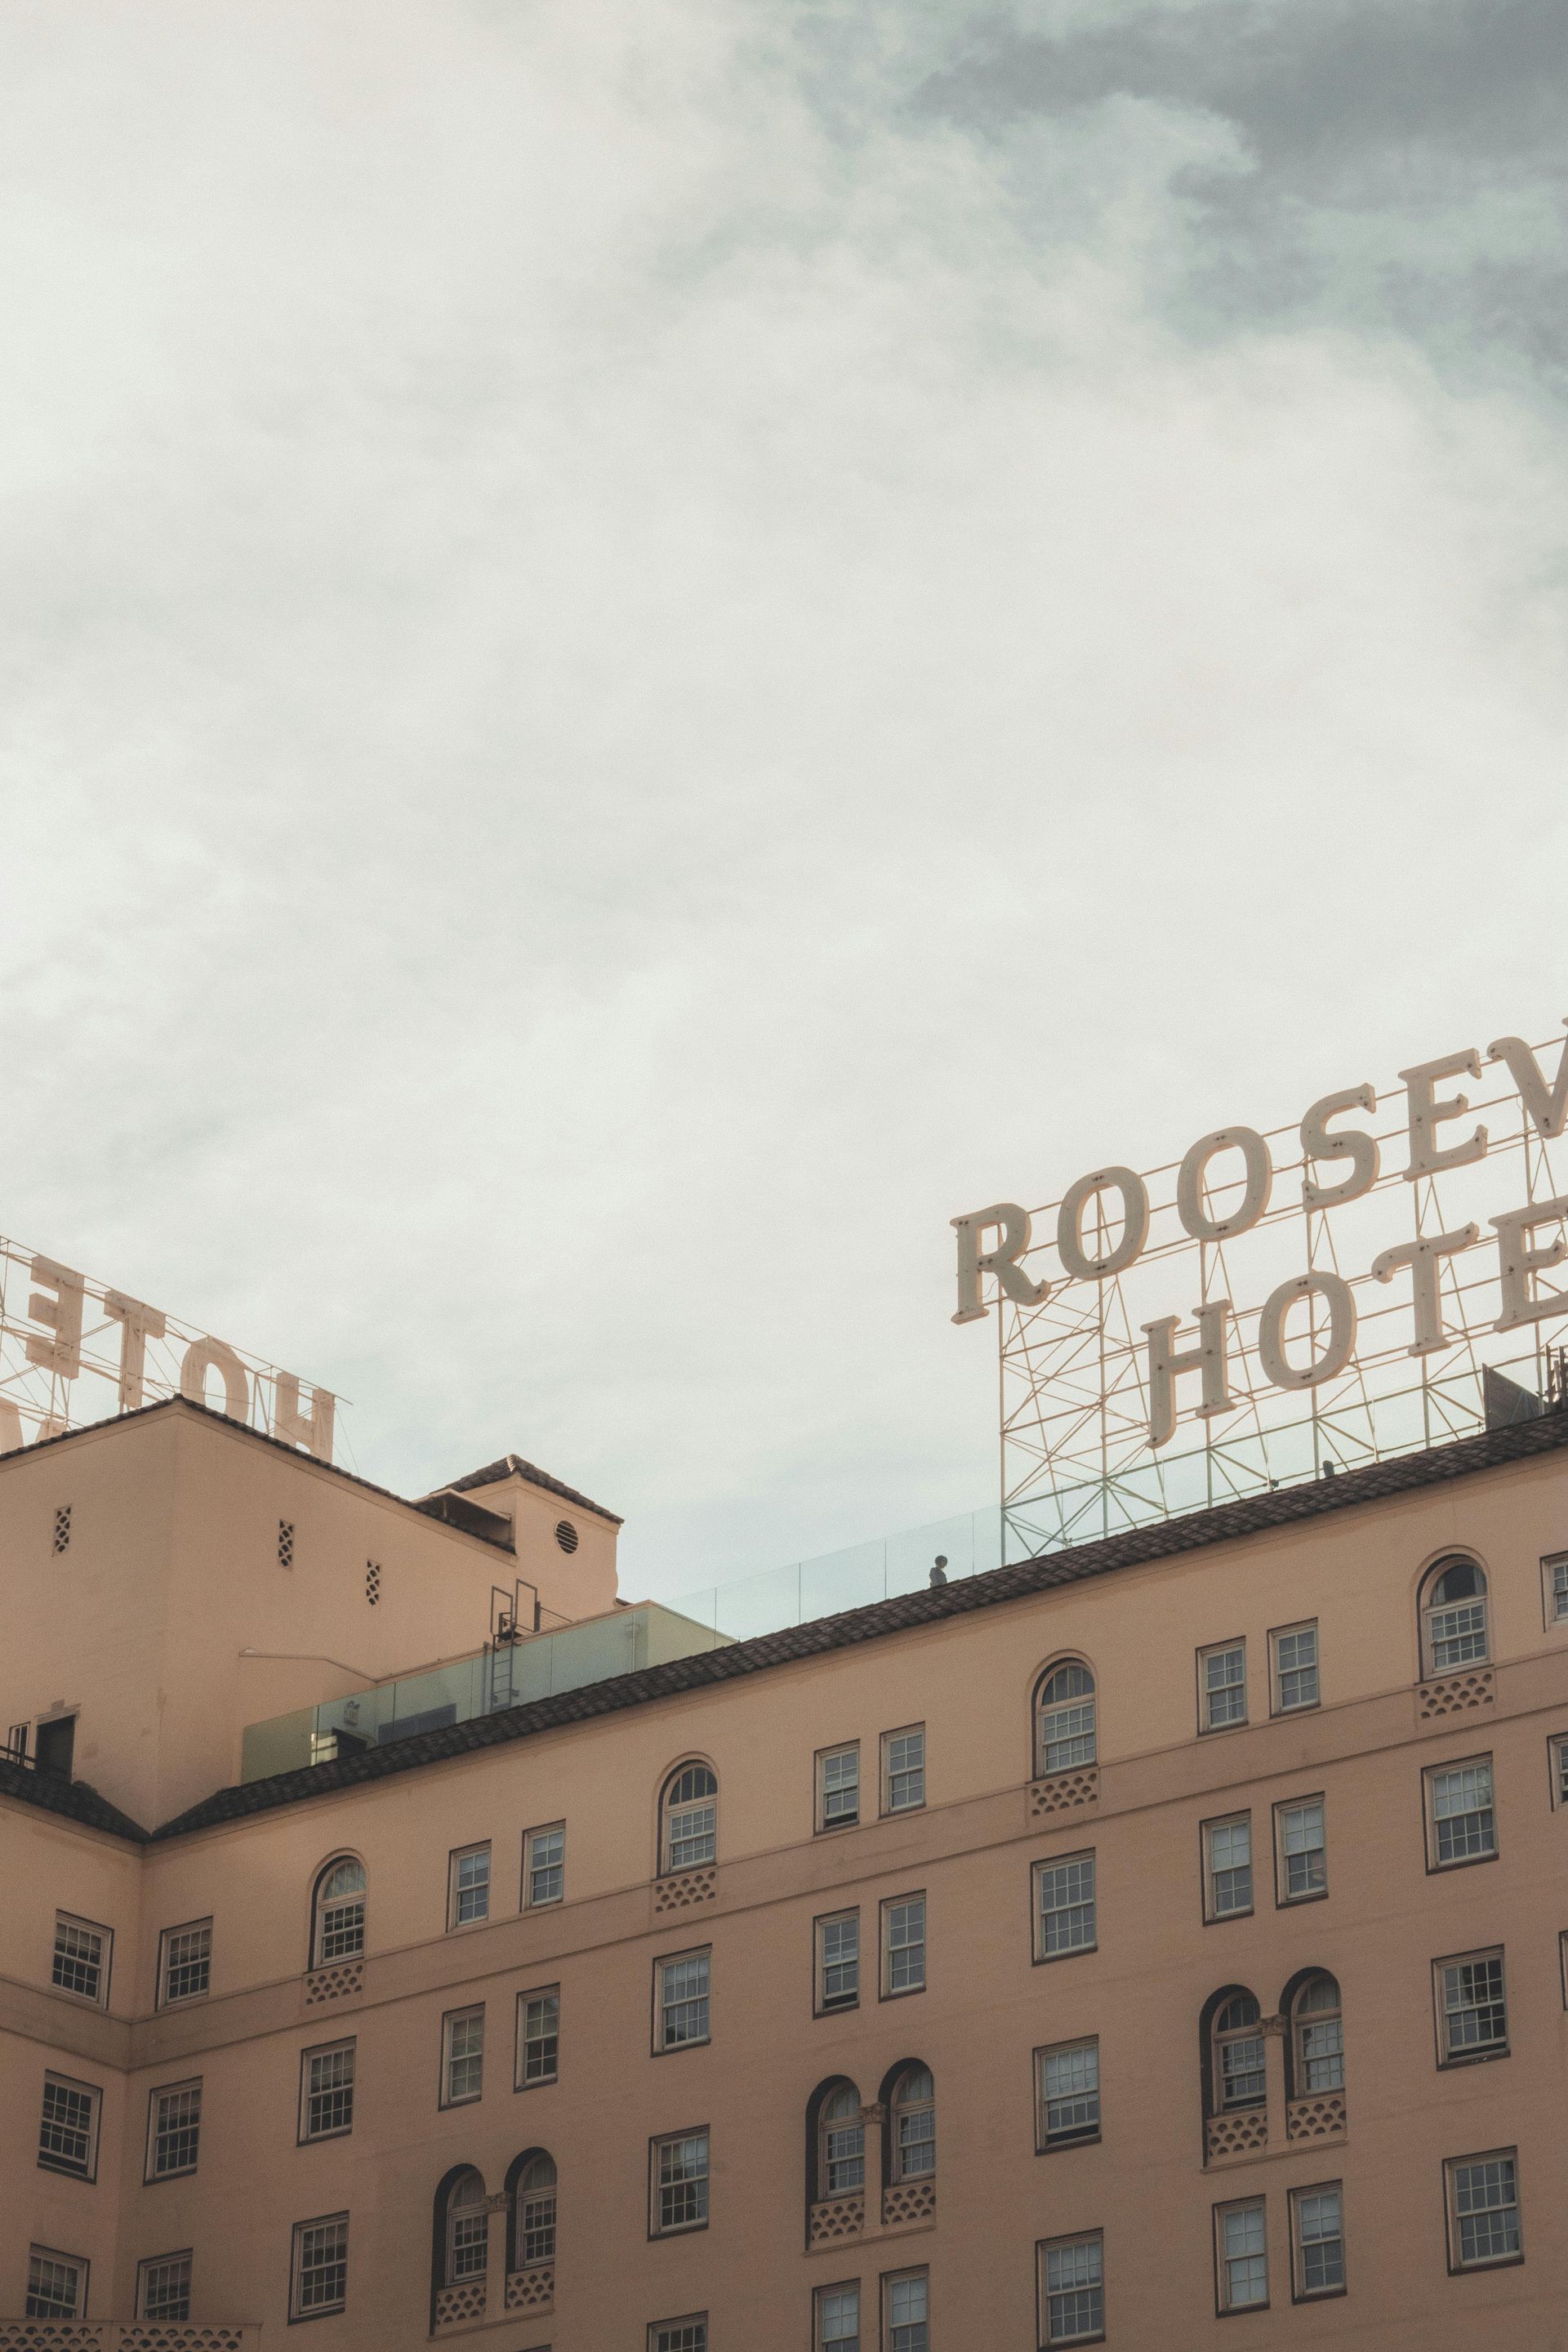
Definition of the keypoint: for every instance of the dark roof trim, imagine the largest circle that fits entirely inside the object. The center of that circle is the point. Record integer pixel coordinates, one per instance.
(513, 1465)
(1162, 1539)
(73, 1800)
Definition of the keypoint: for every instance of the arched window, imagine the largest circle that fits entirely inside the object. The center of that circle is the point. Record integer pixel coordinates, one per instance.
(911, 2116)
(689, 1834)
(841, 2144)
(1454, 1616)
(467, 2230)
(1240, 2074)
(534, 2225)
(339, 1930)
(1064, 1719)
(1317, 2037)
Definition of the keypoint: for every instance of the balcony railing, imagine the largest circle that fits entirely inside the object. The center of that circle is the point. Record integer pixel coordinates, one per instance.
(125, 2335)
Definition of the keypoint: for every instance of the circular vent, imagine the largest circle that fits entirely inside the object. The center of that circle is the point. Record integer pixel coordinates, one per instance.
(566, 1535)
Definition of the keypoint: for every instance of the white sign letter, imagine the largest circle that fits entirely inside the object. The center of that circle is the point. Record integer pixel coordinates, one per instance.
(1427, 1156)
(1550, 1111)
(1423, 1258)
(204, 1356)
(1135, 1193)
(139, 1323)
(1002, 1261)
(1340, 1346)
(62, 1314)
(1517, 1266)
(313, 1429)
(1360, 1150)
(1207, 1358)
(1191, 1202)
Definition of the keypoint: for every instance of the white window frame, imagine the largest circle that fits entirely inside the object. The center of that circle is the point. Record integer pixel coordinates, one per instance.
(1090, 2241)
(1452, 2167)
(450, 2020)
(167, 1999)
(820, 2340)
(1277, 1636)
(1430, 1778)
(1450, 2055)
(1044, 1957)
(687, 2334)
(1082, 2134)
(296, 2266)
(1283, 1896)
(1431, 1671)
(888, 1951)
(1224, 2300)
(1300, 2290)
(672, 1809)
(894, 2336)
(76, 2263)
(144, 2268)
(348, 2045)
(838, 1770)
(823, 2006)
(158, 2093)
(103, 1964)
(523, 2080)
(891, 1771)
(93, 2094)
(1224, 1825)
(662, 2044)
(656, 2225)
(1207, 1693)
(322, 1910)
(458, 1894)
(533, 1869)
(1554, 1563)
(1557, 1761)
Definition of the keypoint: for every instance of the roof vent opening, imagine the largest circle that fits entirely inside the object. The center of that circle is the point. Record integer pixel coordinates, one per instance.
(566, 1535)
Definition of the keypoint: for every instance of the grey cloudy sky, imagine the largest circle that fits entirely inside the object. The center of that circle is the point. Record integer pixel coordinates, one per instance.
(648, 647)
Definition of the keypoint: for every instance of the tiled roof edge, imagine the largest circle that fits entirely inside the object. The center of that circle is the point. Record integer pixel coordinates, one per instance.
(75, 1801)
(513, 1465)
(1135, 1547)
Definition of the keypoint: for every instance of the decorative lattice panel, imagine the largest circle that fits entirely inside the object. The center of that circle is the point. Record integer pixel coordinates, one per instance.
(63, 1527)
(179, 2335)
(680, 1891)
(1063, 1792)
(1452, 1693)
(531, 2290)
(910, 2200)
(837, 2216)
(455, 2303)
(1240, 2135)
(1322, 2116)
(49, 2335)
(334, 1983)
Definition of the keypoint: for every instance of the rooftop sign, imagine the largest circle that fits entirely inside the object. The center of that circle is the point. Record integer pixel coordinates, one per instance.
(1369, 1279)
(73, 1351)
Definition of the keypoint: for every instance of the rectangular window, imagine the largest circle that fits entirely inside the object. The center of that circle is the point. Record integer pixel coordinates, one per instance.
(1462, 1823)
(1472, 2007)
(1228, 1867)
(690, 2334)
(1300, 1850)
(904, 1769)
(469, 1885)
(1483, 2210)
(67, 2127)
(1558, 1751)
(327, 2091)
(1293, 1667)
(679, 2182)
(544, 1867)
(1554, 1581)
(836, 2311)
(1072, 2290)
(462, 2056)
(837, 1962)
(82, 1953)
(185, 1962)
(1066, 2082)
(680, 1996)
(164, 2287)
(1064, 1907)
(538, 2036)
(838, 1786)
(320, 2277)
(1318, 2241)
(905, 2312)
(1222, 1687)
(173, 2130)
(903, 1945)
(1242, 2254)
(57, 2285)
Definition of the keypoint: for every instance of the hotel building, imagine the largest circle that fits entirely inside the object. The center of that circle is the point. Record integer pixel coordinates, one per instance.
(1160, 1943)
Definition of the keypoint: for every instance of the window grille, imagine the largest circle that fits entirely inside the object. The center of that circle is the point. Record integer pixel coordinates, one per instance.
(285, 1543)
(904, 1945)
(63, 1527)
(546, 1865)
(1229, 1845)
(175, 2131)
(906, 2303)
(838, 1961)
(67, 2127)
(1318, 2240)
(1472, 2009)
(80, 1958)
(463, 2071)
(164, 2287)
(683, 2000)
(1072, 2290)
(1302, 1846)
(1223, 1684)
(320, 2269)
(1065, 1907)
(838, 1787)
(680, 2183)
(1244, 2256)
(1483, 2210)
(1295, 1668)
(1068, 2078)
(187, 1973)
(539, 2036)
(328, 2084)
(57, 2285)
(470, 1885)
(904, 1769)
(1464, 1822)
(1064, 1734)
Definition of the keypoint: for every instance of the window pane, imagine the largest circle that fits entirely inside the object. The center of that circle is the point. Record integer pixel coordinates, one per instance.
(1067, 1905)
(1485, 2205)
(78, 1958)
(328, 2090)
(1462, 1813)
(1458, 1635)
(471, 1886)
(841, 1787)
(906, 1769)
(840, 1949)
(1225, 1687)
(838, 2319)
(1302, 1850)
(905, 1932)
(908, 2313)
(465, 2056)
(1075, 2292)
(546, 1866)
(1320, 2240)
(683, 2181)
(176, 2130)
(187, 1961)
(1295, 1668)
(540, 2036)
(1474, 2015)
(164, 2290)
(321, 2264)
(683, 2000)
(1230, 1868)
(1245, 2256)
(66, 2126)
(1069, 2091)
(57, 2285)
